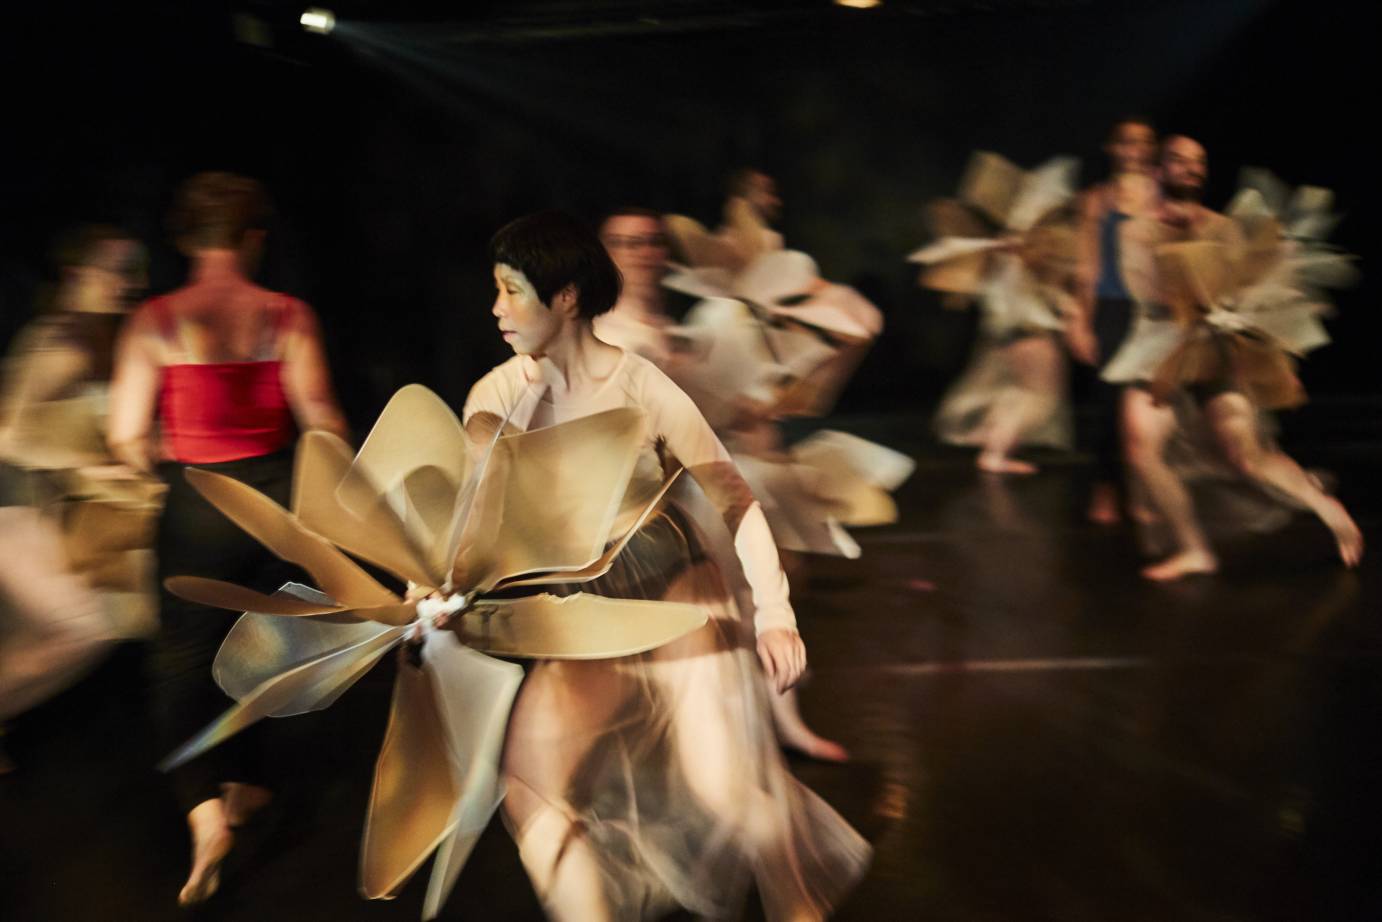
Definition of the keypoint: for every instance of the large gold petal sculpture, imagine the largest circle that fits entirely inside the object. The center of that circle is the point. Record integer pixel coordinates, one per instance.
(790, 344)
(459, 522)
(1000, 209)
(1250, 307)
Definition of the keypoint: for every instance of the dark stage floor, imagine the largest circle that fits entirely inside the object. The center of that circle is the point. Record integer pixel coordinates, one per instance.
(1038, 735)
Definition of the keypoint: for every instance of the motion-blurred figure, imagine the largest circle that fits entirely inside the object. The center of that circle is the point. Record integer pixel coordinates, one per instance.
(1007, 241)
(74, 525)
(1217, 376)
(1107, 275)
(651, 782)
(638, 244)
(230, 373)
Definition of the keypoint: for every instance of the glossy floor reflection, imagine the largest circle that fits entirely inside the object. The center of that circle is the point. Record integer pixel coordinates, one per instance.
(1038, 735)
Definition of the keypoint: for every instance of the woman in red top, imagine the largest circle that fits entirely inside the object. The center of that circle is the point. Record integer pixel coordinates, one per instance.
(226, 373)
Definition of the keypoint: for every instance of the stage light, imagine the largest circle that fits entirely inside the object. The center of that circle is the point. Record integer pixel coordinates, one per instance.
(318, 20)
(859, 4)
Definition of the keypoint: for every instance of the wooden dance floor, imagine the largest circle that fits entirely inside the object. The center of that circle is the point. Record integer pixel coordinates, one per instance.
(1037, 733)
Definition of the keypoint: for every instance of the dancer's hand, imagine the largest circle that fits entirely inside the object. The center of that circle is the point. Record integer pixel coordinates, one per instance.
(1079, 338)
(783, 655)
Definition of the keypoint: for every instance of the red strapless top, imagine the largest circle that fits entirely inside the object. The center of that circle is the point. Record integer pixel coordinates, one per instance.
(225, 411)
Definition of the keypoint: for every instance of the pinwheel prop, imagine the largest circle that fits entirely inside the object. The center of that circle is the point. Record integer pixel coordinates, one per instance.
(1248, 310)
(774, 332)
(1001, 210)
(470, 528)
(825, 482)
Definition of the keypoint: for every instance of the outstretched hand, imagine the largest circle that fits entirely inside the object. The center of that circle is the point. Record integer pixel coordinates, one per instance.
(783, 655)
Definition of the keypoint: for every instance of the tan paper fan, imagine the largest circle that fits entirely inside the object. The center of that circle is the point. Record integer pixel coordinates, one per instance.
(1000, 208)
(458, 521)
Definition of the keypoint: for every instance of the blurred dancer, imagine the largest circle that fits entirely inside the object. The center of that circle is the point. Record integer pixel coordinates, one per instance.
(1013, 391)
(230, 373)
(649, 782)
(73, 564)
(1231, 418)
(638, 323)
(1108, 213)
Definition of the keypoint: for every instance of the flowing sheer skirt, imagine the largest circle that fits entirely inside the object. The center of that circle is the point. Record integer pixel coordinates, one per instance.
(1019, 384)
(651, 782)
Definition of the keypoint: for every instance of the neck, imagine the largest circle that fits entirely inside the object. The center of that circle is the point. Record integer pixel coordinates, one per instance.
(216, 266)
(576, 360)
(640, 301)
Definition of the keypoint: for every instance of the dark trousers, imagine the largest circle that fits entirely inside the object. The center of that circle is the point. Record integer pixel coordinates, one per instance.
(1112, 321)
(196, 539)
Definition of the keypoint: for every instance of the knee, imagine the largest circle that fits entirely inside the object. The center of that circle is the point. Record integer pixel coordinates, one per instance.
(1140, 448)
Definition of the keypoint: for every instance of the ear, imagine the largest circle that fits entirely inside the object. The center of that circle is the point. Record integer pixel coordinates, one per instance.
(567, 301)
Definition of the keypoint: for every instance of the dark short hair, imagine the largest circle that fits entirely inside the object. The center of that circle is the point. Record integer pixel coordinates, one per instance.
(81, 246)
(553, 250)
(630, 211)
(216, 210)
(738, 182)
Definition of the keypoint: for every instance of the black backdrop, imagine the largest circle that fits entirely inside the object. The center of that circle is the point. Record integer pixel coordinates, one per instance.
(394, 150)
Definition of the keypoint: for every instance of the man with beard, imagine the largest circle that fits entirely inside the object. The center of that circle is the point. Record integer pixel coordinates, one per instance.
(1230, 417)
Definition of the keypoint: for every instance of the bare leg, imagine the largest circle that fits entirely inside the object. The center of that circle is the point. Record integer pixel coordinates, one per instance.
(560, 862)
(1103, 504)
(1035, 363)
(1146, 430)
(1234, 422)
(56, 622)
(559, 710)
(793, 732)
(211, 842)
(243, 800)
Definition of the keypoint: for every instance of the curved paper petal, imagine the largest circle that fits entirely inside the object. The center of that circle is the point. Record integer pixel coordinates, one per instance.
(218, 594)
(991, 183)
(275, 528)
(842, 454)
(776, 276)
(700, 283)
(548, 498)
(1194, 276)
(1042, 191)
(414, 789)
(577, 626)
(606, 560)
(323, 677)
(371, 531)
(799, 513)
(261, 646)
(475, 694)
(736, 363)
(415, 429)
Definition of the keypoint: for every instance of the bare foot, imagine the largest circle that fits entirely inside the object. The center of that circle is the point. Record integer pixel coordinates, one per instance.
(211, 842)
(1001, 464)
(1184, 563)
(242, 801)
(815, 747)
(792, 732)
(1103, 505)
(1346, 532)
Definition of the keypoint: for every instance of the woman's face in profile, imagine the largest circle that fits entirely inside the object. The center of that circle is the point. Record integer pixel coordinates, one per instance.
(526, 324)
